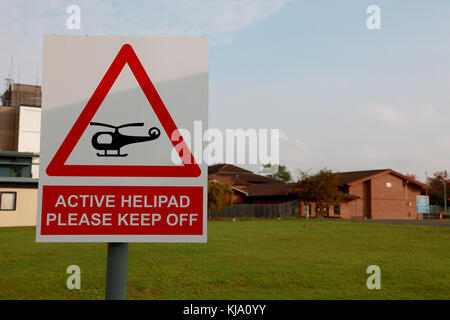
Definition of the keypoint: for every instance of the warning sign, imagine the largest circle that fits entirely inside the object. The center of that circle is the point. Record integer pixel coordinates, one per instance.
(111, 113)
(117, 140)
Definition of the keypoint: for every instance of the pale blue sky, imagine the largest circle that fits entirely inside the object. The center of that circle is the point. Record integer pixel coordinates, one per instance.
(343, 96)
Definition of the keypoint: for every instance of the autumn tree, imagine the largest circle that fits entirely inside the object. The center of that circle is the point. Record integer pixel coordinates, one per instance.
(321, 188)
(219, 195)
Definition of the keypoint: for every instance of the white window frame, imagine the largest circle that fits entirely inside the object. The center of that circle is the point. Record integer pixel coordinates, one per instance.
(15, 200)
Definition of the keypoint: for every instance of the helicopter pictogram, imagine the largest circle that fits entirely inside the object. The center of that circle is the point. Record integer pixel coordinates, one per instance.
(119, 140)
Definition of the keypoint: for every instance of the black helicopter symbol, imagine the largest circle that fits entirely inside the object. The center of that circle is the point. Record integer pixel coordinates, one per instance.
(119, 140)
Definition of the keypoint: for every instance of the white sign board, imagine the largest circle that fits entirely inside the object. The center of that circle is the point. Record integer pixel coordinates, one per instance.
(29, 129)
(111, 111)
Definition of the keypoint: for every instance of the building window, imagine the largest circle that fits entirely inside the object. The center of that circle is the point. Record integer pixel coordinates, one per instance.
(7, 201)
(15, 172)
(337, 210)
(388, 184)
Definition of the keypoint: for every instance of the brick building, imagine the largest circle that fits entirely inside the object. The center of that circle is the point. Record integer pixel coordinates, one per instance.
(20, 118)
(374, 194)
(370, 194)
(19, 94)
(253, 188)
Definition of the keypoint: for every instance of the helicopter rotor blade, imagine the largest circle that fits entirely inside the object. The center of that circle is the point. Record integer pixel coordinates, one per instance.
(137, 124)
(102, 124)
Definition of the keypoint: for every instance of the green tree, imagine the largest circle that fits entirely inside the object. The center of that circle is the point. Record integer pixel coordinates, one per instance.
(436, 184)
(321, 188)
(282, 173)
(219, 195)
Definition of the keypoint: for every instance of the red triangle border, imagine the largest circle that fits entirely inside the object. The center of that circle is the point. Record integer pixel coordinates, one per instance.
(57, 166)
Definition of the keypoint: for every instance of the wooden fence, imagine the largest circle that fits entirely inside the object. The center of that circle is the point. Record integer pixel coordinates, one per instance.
(259, 210)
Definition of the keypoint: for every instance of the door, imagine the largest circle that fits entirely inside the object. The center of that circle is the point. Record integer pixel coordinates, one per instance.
(367, 199)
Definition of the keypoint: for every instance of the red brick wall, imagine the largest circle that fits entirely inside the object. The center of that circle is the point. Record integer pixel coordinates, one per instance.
(355, 207)
(349, 210)
(391, 203)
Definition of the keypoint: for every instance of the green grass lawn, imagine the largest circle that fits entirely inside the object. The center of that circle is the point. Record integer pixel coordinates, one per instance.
(264, 259)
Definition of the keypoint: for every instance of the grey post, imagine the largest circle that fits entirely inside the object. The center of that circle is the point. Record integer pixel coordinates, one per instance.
(445, 192)
(117, 271)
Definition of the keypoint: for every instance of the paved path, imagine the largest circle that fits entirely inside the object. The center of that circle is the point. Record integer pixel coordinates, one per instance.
(424, 222)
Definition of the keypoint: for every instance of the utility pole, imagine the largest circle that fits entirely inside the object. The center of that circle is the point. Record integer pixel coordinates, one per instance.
(445, 191)
(406, 198)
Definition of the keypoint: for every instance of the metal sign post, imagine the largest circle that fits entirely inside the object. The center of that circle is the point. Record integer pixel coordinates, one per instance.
(117, 271)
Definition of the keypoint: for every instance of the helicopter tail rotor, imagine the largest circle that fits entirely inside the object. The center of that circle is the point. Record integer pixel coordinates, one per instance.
(154, 133)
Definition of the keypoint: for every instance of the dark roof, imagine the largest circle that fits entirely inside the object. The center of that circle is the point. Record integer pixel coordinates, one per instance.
(264, 190)
(249, 178)
(239, 176)
(224, 167)
(357, 176)
(221, 179)
(18, 154)
(18, 181)
(349, 196)
(352, 176)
